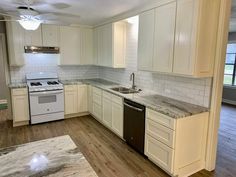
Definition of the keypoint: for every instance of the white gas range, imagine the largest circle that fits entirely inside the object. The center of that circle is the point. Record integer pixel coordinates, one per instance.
(46, 97)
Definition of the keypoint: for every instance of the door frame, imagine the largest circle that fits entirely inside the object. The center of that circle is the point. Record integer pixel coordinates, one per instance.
(217, 85)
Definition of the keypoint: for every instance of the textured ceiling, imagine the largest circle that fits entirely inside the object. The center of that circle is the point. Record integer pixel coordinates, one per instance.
(90, 12)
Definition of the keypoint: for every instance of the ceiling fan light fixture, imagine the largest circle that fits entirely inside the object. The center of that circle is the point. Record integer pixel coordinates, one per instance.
(30, 24)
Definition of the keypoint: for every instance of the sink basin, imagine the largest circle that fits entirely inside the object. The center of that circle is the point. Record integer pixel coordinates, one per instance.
(124, 90)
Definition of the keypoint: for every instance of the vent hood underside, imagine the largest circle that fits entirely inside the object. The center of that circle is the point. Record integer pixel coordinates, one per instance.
(46, 50)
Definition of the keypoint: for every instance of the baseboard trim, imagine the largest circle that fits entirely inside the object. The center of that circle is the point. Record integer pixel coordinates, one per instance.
(229, 101)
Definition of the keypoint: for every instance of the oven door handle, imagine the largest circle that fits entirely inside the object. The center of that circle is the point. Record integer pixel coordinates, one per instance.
(46, 93)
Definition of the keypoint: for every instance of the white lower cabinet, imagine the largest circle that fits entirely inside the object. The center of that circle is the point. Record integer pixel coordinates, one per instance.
(97, 103)
(82, 98)
(71, 103)
(90, 99)
(117, 116)
(159, 153)
(76, 99)
(20, 106)
(107, 109)
(176, 145)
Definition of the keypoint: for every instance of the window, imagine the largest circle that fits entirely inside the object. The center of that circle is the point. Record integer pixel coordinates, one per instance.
(230, 66)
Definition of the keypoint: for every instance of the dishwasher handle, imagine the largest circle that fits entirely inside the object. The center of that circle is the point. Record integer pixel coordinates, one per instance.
(132, 107)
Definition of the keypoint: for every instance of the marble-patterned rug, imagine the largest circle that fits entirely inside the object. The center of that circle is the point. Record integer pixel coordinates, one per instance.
(54, 157)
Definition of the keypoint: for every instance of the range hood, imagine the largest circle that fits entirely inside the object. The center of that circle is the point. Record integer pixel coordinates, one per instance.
(46, 50)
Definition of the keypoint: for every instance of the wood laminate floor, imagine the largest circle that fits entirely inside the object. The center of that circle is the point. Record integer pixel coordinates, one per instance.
(110, 156)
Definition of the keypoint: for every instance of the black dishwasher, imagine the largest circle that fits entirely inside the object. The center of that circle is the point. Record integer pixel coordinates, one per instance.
(134, 125)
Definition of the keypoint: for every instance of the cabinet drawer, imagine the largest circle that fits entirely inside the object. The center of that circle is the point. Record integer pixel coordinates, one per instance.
(97, 99)
(160, 132)
(117, 99)
(20, 91)
(159, 153)
(97, 91)
(70, 87)
(107, 95)
(161, 119)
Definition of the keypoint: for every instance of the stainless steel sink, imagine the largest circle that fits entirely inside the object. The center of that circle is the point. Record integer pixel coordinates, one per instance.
(124, 90)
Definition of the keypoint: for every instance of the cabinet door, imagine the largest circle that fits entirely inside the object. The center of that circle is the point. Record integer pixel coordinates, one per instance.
(107, 112)
(71, 101)
(82, 98)
(100, 47)
(70, 45)
(95, 46)
(90, 99)
(159, 153)
(33, 38)
(20, 108)
(117, 119)
(164, 37)
(107, 45)
(97, 111)
(185, 22)
(145, 40)
(50, 35)
(15, 41)
(86, 46)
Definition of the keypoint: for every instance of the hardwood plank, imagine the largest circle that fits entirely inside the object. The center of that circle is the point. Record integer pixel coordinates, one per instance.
(110, 156)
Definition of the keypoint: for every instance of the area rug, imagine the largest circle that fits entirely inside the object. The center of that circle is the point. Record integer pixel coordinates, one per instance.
(54, 157)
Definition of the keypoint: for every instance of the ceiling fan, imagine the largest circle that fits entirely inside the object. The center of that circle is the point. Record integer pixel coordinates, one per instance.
(30, 19)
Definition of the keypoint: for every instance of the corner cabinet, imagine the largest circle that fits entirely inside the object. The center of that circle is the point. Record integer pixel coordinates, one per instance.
(183, 43)
(20, 106)
(76, 46)
(15, 41)
(110, 45)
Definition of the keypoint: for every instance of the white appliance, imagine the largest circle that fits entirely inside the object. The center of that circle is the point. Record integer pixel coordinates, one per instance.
(46, 97)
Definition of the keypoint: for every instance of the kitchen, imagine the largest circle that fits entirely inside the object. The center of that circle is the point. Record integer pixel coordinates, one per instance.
(133, 75)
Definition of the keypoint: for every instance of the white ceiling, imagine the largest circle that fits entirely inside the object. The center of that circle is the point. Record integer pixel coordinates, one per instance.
(90, 12)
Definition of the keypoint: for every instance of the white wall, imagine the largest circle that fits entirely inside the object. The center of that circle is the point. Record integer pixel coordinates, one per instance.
(196, 91)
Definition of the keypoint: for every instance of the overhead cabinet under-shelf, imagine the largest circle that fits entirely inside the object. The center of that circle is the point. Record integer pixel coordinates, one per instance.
(179, 38)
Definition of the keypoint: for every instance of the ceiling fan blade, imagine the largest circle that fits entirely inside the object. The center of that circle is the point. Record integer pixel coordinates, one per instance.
(46, 16)
(55, 22)
(67, 15)
(8, 20)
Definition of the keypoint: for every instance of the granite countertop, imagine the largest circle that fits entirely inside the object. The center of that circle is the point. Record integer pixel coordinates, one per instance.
(17, 85)
(51, 157)
(167, 106)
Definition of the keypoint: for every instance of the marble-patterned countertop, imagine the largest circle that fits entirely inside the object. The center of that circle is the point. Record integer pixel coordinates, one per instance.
(167, 106)
(56, 157)
(17, 85)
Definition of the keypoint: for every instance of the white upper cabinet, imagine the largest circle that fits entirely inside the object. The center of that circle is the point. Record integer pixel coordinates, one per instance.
(33, 38)
(110, 45)
(50, 35)
(70, 45)
(196, 28)
(156, 38)
(76, 46)
(164, 36)
(15, 41)
(86, 46)
(179, 38)
(145, 40)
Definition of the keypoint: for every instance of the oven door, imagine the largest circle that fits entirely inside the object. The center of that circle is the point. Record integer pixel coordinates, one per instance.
(46, 102)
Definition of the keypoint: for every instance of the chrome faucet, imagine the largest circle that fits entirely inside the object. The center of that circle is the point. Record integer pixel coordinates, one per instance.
(132, 78)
